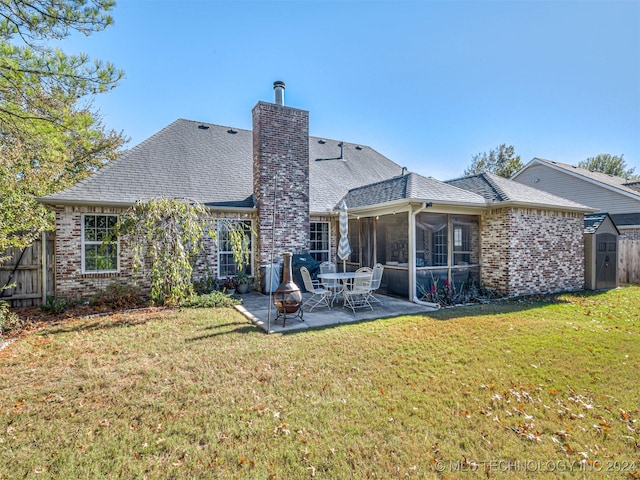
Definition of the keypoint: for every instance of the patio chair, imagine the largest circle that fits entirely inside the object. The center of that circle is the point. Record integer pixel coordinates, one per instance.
(357, 296)
(319, 295)
(334, 286)
(376, 279)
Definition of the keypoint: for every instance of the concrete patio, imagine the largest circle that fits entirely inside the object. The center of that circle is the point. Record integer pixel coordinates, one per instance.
(257, 308)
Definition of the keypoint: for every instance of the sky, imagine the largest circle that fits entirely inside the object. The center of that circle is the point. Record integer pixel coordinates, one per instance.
(428, 84)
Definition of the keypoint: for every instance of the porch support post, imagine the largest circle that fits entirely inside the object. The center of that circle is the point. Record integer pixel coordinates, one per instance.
(412, 254)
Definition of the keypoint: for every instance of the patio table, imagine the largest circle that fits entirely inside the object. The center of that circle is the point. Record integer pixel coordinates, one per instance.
(344, 277)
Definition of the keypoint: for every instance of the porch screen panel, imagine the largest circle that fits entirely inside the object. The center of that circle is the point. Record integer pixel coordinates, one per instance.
(367, 234)
(393, 240)
(354, 240)
(466, 239)
(431, 239)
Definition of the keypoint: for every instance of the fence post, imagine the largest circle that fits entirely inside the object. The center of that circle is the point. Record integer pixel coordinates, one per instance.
(43, 260)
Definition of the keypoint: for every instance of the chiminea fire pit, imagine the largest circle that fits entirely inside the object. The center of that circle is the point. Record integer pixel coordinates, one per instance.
(287, 298)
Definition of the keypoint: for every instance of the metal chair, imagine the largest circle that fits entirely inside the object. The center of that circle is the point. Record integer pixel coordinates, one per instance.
(319, 295)
(376, 279)
(334, 286)
(357, 295)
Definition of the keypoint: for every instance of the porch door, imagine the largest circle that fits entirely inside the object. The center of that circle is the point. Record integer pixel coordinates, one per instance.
(606, 260)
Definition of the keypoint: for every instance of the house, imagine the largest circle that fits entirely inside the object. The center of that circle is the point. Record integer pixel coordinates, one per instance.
(606, 193)
(287, 185)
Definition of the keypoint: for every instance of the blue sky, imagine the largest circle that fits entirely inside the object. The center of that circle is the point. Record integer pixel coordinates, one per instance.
(428, 84)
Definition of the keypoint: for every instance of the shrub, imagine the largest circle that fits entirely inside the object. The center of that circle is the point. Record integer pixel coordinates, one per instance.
(207, 284)
(211, 300)
(118, 296)
(447, 295)
(8, 319)
(58, 304)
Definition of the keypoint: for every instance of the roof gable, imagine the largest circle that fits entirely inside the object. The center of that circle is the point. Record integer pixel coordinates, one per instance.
(411, 186)
(498, 189)
(593, 221)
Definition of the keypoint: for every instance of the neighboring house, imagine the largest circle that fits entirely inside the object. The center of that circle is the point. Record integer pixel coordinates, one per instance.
(486, 230)
(606, 193)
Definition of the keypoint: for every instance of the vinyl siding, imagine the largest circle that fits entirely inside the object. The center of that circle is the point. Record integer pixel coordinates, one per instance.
(578, 190)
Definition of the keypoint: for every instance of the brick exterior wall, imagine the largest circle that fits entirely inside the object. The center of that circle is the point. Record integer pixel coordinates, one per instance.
(281, 147)
(70, 281)
(530, 251)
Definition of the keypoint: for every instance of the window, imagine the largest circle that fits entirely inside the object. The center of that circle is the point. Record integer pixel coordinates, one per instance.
(227, 266)
(461, 245)
(96, 255)
(319, 234)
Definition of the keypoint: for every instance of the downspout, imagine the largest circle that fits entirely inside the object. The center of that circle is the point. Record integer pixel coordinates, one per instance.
(412, 259)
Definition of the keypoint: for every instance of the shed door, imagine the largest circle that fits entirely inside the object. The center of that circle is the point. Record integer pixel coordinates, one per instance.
(606, 260)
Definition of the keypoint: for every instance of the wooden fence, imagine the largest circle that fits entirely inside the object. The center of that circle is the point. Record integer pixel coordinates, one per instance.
(629, 261)
(30, 272)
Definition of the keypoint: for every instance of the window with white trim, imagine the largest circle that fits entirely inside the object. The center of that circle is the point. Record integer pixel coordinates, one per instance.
(319, 236)
(227, 266)
(98, 255)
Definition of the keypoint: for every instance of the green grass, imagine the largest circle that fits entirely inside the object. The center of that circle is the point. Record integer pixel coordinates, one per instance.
(531, 385)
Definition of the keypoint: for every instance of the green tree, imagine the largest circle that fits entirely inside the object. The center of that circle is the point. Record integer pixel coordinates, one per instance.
(40, 85)
(609, 164)
(168, 234)
(49, 136)
(502, 161)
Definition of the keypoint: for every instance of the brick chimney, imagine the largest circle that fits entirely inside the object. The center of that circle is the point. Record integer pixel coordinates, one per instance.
(281, 177)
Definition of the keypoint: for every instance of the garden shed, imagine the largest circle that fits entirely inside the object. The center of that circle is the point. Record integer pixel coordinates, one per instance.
(600, 252)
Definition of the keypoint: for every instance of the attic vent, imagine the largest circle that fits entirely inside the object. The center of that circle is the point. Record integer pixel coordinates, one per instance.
(321, 142)
(203, 127)
(232, 131)
(358, 147)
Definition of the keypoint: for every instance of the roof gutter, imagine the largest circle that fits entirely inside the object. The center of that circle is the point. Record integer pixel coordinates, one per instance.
(406, 202)
(544, 206)
(90, 203)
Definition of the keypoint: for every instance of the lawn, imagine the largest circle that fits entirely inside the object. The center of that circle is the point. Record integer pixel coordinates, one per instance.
(531, 388)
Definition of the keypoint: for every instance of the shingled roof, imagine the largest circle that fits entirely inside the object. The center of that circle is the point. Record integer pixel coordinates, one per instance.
(498, 189)
(626, 219)
(213, 164)
(208, 163)
(411, 186)
(592, 222)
